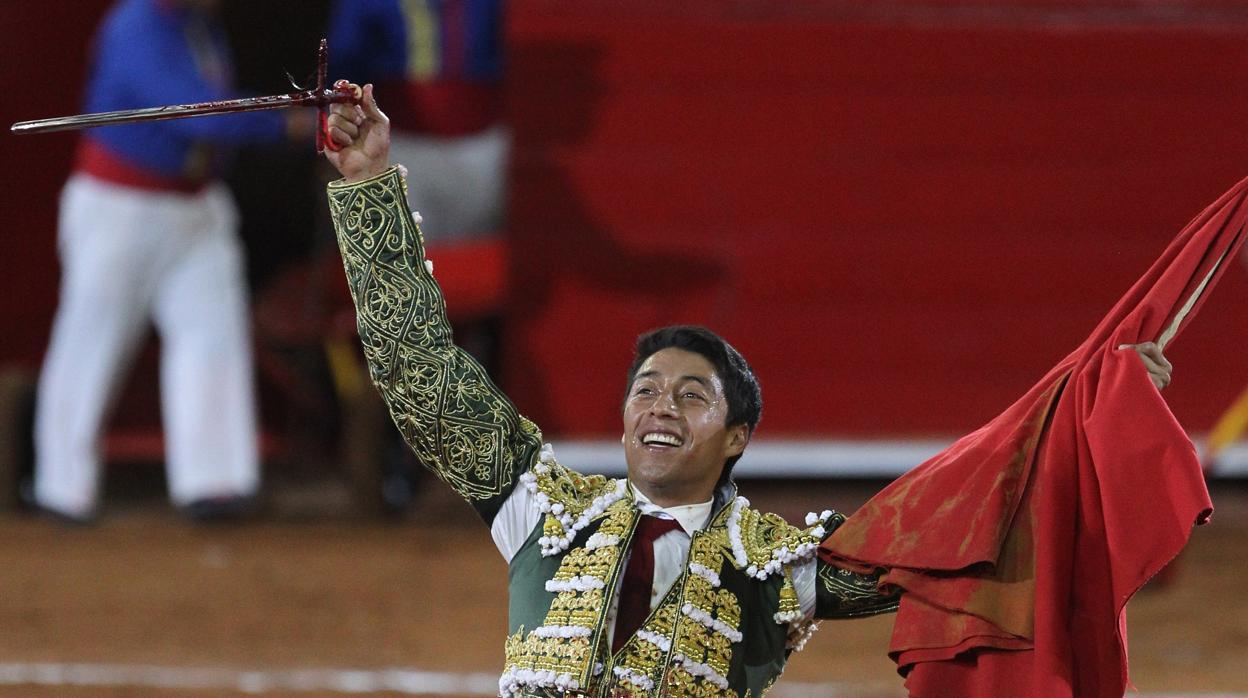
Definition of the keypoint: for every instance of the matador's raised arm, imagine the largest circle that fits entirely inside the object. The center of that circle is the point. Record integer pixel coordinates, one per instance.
(459, 424)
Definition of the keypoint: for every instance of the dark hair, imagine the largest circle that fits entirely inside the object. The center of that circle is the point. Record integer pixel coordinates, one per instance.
(745, 397)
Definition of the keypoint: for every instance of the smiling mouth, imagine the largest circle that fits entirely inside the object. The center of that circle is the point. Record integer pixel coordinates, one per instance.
(658, 438)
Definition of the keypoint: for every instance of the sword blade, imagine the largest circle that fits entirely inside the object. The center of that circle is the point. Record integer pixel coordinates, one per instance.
(317, 98)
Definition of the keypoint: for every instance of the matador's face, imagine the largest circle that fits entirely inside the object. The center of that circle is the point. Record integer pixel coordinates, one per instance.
(675, 437)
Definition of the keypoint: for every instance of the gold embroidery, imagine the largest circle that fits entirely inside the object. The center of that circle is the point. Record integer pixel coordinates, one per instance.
(790, 607)
(761, 544)
(641, 656)
(568, 641)
(450, 413)
(696, 644)
(575, 492)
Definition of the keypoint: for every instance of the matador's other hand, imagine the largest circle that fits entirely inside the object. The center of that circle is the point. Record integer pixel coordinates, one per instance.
(362, 134)
(1159, 368)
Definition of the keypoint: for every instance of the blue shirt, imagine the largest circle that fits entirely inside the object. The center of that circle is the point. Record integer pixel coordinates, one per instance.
(151, 53)
(379, 40)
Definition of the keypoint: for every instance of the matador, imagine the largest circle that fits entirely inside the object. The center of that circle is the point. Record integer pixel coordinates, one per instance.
(663, 583)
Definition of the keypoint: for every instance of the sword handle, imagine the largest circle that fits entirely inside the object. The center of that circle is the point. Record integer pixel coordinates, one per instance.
(343, 92)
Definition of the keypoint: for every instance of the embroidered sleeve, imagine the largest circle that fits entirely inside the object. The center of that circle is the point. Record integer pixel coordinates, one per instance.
(457, 422)
(841, 593)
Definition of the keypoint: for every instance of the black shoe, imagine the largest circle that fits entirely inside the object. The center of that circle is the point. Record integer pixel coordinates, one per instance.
(220, 509)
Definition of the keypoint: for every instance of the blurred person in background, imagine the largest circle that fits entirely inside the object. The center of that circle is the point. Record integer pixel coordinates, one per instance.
(149, 233)
(440, 65)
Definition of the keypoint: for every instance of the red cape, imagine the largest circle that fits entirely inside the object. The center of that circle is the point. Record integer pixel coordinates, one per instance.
(1019, 545)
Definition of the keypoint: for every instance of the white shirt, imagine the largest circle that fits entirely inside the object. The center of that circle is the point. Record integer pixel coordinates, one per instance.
(521, 513)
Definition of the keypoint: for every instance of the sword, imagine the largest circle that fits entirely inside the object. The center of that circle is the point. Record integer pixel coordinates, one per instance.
(320, 97)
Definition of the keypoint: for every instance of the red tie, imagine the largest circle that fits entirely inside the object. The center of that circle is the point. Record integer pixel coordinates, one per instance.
(639, 578)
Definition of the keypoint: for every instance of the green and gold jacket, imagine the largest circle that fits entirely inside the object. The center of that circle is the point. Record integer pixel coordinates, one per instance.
(729, 622)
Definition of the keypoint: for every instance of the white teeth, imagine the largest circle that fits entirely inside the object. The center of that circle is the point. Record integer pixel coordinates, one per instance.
(658, 437)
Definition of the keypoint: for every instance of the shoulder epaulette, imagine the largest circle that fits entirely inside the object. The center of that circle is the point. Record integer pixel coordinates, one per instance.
(569, 499)
(762, 544)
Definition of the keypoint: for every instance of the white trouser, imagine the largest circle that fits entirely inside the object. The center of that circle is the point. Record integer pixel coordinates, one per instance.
(458, 184)
(128, 256)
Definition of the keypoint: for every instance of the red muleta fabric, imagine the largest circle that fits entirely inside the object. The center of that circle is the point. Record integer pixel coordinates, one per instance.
(1019, 545)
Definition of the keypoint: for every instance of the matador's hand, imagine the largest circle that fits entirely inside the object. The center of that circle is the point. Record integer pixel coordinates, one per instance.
(1159, 368)
(362, 134)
